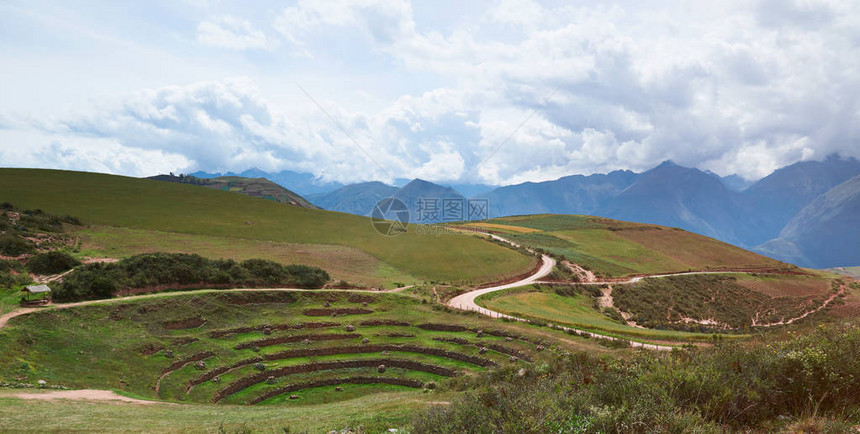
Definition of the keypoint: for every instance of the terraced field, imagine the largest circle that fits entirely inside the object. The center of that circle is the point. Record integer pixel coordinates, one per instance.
(258, 348)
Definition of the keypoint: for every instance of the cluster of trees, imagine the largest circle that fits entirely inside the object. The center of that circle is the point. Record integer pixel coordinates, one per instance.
(96, 281)
(52, 263)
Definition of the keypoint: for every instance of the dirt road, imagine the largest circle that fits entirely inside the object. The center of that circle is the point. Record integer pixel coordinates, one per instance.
(83, 394)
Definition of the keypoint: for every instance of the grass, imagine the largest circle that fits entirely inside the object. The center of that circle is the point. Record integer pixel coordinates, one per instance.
(100, 199)
(10, 299)
(576, 311)
(376, 412)
(341, 262)
(67, 346)
(616, 248)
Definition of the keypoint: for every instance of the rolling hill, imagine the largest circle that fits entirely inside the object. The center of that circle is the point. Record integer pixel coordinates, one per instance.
(304, 184)
(614, 248)
(172, 208)
(254, 187)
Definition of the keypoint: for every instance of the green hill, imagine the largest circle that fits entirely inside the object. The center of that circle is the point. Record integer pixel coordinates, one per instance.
(614, 248)
(254, 187)
(109, 200)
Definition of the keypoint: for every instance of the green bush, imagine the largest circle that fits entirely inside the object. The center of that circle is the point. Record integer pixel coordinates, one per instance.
(14, 245)
(177, 270)
(52, 263)
(12, 274)
(730, 387)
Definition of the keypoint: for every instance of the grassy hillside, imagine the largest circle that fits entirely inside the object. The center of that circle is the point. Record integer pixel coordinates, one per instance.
(170, 207)
(614, 248)
(254, 187)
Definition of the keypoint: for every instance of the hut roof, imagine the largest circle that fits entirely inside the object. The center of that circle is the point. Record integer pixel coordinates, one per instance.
(35, 289)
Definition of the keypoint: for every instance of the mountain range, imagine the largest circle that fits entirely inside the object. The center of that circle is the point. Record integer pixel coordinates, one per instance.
(805, 213)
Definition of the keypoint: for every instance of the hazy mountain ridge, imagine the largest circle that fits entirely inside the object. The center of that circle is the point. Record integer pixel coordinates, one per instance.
(354, 198)
(731, 209)
(826, 232)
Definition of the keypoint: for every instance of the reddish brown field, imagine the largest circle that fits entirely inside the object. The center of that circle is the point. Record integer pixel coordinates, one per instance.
(789, 286)
(697, 251)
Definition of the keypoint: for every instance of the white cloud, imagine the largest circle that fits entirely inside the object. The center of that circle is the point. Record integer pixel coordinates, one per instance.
(232, 33)
(736, 87)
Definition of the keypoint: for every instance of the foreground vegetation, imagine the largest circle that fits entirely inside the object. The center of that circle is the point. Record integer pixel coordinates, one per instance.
(806, 383)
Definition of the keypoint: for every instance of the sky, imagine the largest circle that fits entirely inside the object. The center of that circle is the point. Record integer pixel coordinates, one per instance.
(496, 92)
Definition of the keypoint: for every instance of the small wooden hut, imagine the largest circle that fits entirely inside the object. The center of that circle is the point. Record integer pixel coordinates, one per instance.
(37, 293)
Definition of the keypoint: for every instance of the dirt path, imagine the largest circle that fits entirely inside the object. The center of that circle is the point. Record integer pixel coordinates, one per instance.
(6, 317)
(83, 395)
(804, 315)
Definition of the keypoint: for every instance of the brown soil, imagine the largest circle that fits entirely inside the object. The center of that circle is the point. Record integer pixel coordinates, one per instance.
(788, 287)
(150, 349)
(187, 323)
(84, 394)
(336, 311)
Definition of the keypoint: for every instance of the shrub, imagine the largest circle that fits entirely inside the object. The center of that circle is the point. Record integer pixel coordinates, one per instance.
(736, 387)
(14, 245)
(52, 263)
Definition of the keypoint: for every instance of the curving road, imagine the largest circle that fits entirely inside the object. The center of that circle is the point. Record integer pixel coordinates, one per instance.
(466, 301)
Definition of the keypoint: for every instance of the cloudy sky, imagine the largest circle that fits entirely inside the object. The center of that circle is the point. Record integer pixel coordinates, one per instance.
(495, 91)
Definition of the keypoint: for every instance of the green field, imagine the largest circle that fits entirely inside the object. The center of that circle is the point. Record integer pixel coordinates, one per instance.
(613, 248)
(341, 262)
(170, 207)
